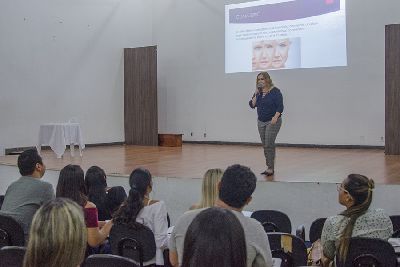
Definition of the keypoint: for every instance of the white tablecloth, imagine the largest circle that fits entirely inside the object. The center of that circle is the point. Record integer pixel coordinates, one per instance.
(59, 135)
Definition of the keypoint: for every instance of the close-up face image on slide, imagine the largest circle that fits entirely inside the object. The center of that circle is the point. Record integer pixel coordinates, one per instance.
(282, 34)
(275, 54)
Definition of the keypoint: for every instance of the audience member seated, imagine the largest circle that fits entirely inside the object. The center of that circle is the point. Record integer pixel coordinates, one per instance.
(209, 191)
(25, 196)
(116, 195)
(355, 193)
(215, 237)
(96, 186)
(71, 185)
(57, 236)
(234, 193)
(140, 208)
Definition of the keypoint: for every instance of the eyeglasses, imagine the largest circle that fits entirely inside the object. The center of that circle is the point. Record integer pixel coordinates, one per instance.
(340, 187)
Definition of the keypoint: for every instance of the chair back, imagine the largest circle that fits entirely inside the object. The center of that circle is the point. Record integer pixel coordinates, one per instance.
(1, 200)
(289, 248)
(370, 252)
(136, 243)
(396, 225)
(12, 256)
(11, 232)
(273, 221)
(316, 229)
(105, 260)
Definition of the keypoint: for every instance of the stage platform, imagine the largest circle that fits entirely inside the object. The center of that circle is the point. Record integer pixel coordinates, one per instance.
(321, 165)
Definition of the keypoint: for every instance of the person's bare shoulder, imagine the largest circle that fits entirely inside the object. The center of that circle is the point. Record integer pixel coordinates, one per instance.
(90, 205)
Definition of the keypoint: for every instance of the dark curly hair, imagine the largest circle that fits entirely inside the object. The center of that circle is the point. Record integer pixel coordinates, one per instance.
(139, 180)
(237, 185)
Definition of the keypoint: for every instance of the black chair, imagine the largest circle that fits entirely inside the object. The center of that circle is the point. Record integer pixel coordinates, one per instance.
(396, 225)
(106, 260)
(316, 229)
(11, 232)
(298, 254)
(12, 256)
(1, 200)
(136, 242)
(273, 221)
(369, 252)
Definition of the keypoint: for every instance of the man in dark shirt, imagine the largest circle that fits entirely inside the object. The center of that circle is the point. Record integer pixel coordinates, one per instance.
(24, 196)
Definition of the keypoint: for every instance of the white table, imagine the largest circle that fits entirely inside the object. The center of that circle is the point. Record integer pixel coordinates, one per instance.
(59, 135)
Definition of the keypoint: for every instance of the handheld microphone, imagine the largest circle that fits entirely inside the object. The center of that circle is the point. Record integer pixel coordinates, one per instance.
(260, 86)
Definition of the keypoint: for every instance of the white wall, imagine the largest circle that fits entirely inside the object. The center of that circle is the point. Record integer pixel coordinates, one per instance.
(342, 105)
(64, 58)
(61, 59)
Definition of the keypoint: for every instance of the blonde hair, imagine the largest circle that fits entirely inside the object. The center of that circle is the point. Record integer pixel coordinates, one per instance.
(209, 192)
(266, 77)
(57, 236)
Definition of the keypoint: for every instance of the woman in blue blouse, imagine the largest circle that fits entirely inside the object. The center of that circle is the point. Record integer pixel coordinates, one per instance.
(269, 102)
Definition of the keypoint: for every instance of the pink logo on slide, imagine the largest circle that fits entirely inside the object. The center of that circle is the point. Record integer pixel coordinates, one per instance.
(328, 2)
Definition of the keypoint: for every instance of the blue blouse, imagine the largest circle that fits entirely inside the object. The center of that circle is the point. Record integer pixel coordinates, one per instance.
(268, 105)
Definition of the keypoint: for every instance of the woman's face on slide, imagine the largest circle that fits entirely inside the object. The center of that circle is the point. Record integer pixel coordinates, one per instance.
(281, 53)
(270, 54)
(262, 55)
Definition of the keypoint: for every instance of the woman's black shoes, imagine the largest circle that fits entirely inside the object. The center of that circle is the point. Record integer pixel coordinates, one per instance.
(268, 173)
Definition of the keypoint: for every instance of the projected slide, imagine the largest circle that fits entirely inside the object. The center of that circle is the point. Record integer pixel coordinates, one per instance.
(279, 34)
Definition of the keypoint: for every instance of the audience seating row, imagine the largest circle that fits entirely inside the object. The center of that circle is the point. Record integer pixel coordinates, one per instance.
(13, 256)
(138, 244)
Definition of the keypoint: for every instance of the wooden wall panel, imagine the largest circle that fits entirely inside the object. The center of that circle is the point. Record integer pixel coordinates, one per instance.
(140, 96)
(392, 89)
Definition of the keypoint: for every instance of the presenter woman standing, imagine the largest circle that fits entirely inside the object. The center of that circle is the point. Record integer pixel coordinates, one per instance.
(269, 102)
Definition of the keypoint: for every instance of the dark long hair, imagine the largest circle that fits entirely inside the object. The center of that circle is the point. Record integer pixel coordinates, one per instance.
(139, 180)
(96, 186)
(71, 184)
(116, 196)
(215, 238)
(360, 189)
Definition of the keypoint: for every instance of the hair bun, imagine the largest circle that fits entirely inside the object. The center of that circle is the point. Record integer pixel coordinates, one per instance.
(371, 184)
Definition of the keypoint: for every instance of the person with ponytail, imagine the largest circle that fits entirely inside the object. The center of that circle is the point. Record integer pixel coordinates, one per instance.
(139, 208)
(358, 220)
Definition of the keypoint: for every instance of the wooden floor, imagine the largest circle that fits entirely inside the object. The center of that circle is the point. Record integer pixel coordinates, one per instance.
(192, 160)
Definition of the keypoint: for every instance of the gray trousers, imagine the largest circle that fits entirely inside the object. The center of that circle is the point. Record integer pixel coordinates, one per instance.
(268, 133)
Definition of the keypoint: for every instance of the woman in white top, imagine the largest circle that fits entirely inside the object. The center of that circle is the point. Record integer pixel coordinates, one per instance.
(139, 208)
(358, 220)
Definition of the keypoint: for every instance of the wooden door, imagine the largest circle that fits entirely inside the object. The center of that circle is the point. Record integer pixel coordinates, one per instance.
(392, 89)
(140, 96)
